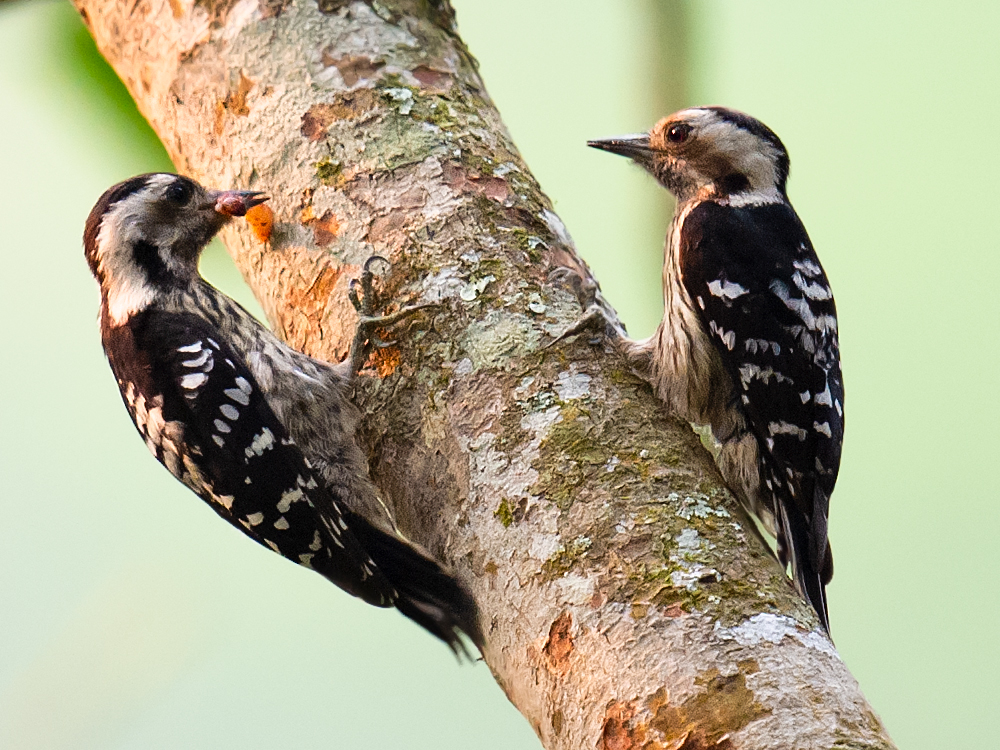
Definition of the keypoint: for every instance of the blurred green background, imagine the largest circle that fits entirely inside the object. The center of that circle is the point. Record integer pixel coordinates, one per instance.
(132, 618)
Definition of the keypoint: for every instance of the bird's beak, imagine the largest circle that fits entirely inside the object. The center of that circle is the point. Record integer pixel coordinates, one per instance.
(235, 202)
(633, 146)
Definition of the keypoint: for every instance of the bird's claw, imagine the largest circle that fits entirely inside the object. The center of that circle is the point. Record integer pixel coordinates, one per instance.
(595, 318)
(365, 304)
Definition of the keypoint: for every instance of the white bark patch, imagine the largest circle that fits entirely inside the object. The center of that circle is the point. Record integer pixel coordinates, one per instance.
(689, 571)
(688, 540)
(522, 388)
(360, 32)
(573, 385)
(575, 589)
(240, 15)
(769, 628)
(474, 288)
(499, 337)
(695, 507)
(505, 478)
(544, 546)
(556, 226)
(535, 304)
(404, 98)
(440, 286)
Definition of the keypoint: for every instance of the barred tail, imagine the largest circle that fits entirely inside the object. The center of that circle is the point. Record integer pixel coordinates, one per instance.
(427, 593)
(812, 569)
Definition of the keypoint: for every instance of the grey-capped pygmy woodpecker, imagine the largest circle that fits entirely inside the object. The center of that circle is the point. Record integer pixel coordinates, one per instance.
(264, 434)
(748, 341)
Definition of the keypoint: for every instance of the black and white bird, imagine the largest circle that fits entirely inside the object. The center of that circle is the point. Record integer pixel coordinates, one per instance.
(261, 432)
(748, 341)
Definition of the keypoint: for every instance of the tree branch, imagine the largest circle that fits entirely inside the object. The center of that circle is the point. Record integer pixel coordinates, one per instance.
(624, 604)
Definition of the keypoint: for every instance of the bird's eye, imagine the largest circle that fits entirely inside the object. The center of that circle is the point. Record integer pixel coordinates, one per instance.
(179, 193)
(678, 133)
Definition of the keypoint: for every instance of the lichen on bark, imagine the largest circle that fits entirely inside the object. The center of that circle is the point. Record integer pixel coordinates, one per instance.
(624, 602)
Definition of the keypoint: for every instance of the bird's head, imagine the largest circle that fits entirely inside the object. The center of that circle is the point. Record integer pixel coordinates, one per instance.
(711, 153)
(147, 233)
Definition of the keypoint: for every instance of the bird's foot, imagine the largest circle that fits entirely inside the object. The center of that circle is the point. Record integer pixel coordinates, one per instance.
(362, 294)
(596, 319)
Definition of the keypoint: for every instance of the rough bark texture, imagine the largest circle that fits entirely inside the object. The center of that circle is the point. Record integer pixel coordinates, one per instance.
(624, 605)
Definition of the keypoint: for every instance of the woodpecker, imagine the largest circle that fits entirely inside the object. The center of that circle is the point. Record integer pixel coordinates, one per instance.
(748, 341)
(261, 432)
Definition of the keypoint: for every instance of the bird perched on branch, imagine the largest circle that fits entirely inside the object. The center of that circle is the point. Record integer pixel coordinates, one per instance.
(261, 432)
(748, 341)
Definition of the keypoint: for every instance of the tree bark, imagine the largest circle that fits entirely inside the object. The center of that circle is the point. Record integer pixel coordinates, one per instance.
(625, 605)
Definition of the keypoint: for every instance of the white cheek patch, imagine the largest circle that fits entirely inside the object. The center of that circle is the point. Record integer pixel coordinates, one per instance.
(125, 223)
(127, 287)
(127, 299)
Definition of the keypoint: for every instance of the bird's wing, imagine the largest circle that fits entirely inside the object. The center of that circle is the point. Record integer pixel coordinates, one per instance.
(761, 292)
(205, 418)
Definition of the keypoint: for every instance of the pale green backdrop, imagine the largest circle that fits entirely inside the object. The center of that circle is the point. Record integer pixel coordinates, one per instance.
(132, 618)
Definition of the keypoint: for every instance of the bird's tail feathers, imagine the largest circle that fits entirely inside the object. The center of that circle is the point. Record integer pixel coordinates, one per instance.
(427, 593)
(808, 572)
